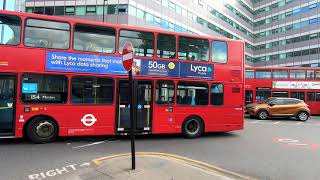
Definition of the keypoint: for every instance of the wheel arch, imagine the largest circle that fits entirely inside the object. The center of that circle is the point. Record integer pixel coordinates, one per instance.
(24, 131)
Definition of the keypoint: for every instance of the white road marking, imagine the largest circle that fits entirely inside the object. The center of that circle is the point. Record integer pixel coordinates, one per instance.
(277, 122)
(86, 145)
(85, 164)
(57, 171)
(297, 144)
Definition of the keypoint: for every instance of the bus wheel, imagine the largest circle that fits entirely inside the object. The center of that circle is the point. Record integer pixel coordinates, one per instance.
(262, 114)
(42, 130)
(192, 127)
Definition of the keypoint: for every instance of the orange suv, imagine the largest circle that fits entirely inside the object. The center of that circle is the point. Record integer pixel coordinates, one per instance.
(279, 107)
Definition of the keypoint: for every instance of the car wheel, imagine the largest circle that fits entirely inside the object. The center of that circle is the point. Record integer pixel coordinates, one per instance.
(303, 116)
(42, 130)
(192, 127)
(263, 115)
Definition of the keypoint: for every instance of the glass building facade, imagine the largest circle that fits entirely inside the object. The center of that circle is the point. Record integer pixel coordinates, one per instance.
(277, 32)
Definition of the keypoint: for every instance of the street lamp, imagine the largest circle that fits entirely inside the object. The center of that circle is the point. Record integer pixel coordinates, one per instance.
(4, 4)
(103, 11)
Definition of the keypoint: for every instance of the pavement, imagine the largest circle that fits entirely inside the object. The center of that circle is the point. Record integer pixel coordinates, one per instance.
(155, 166)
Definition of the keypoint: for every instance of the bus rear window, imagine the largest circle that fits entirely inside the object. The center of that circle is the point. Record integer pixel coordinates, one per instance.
(47, 34)
(10, 27)
(94, 39)
(44, 88)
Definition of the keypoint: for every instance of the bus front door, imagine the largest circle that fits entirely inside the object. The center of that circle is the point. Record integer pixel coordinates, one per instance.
(144, 106)
(7, 104)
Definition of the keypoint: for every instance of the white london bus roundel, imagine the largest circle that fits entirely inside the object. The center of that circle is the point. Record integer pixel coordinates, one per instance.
(88, 120)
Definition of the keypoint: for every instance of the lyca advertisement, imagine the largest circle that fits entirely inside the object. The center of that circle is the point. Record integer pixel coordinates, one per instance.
(87, 63)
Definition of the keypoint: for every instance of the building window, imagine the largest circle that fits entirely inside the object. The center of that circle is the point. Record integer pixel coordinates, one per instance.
(94, 38)
(11, 25)
(140, 14)
(166, 46)
(143, 42)
(29, 9)
(192, 94)
(70, 10)
(165, 92)
(38, 10)
(217, 94)
(80, 10)
(91, 90)
(91, 10)
(219, 52)
(193, 49)
(59, 10)
(43, 88)
(47, 34)
(49, 10)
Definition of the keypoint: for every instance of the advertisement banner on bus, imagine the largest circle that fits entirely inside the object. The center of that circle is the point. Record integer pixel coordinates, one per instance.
(156, 68)
(88, 63)
(193, 70)
(295, 85)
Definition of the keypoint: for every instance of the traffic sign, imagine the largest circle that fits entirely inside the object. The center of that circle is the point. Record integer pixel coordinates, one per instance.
(127, 56)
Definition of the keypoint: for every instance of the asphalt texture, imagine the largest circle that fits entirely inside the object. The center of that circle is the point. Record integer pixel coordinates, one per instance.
(270, 149)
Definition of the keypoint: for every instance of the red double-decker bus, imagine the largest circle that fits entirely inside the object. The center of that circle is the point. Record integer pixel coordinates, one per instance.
(301, 83)
(64, 77)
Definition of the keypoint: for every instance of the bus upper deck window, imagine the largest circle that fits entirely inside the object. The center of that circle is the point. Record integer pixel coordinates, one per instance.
(219, 52)
(193, 49)
(143, 42)
(166, 46)
(94, 38)
(47, 34)
(11, 25)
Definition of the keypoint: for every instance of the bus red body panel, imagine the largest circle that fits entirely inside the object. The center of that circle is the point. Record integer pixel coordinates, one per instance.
(83, 88)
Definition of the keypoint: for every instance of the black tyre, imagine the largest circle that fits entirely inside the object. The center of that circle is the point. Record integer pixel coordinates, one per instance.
(262, 114)
(192, 127)
(303, 116)
(42, 130)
